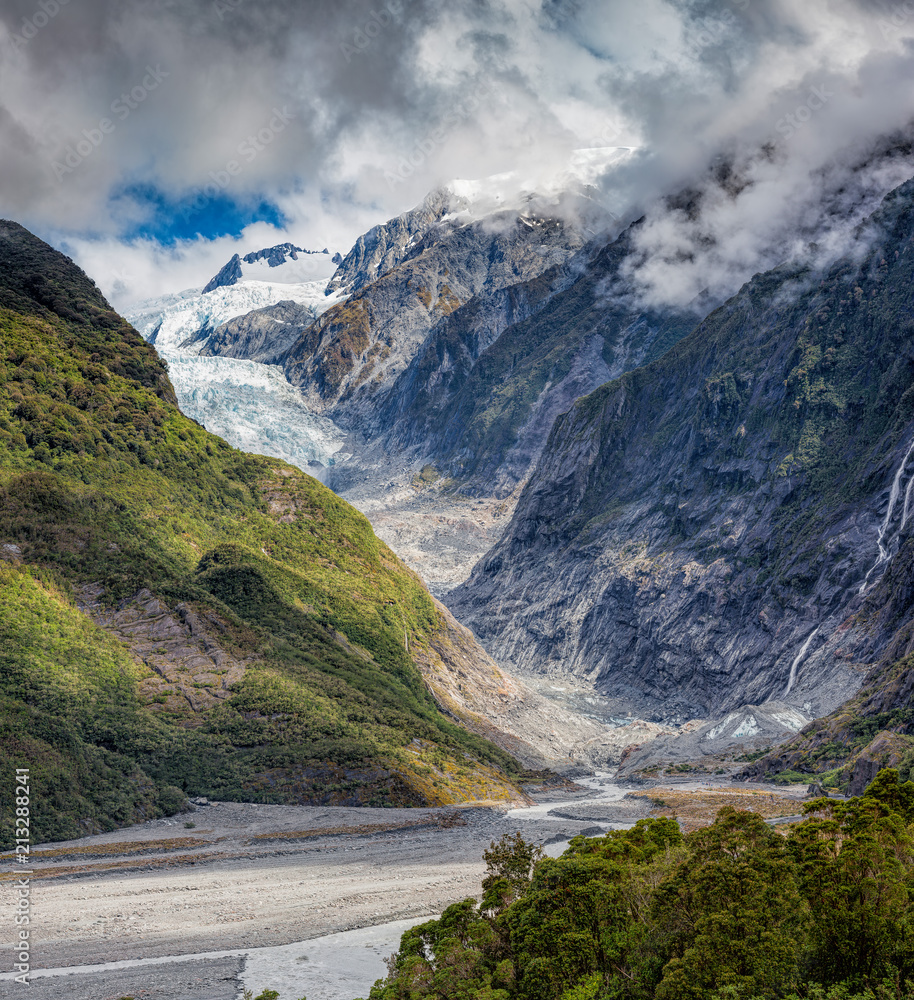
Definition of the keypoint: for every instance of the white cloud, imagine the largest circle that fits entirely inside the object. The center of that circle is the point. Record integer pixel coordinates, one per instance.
(130, 272)
(689, 81)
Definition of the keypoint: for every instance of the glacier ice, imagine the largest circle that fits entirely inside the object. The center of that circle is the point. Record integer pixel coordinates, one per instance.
(250, 405)
(254, 408)
(172, 319)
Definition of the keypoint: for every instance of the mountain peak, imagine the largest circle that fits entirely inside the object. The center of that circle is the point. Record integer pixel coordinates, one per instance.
(284, 263)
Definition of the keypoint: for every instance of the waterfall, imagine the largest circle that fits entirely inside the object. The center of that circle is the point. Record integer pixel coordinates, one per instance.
(885, 546)
(798, 659)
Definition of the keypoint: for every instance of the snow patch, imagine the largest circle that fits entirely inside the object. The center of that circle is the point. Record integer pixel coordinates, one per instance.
(748, 727)
(314, 267)
(791, 720)
(720, 728)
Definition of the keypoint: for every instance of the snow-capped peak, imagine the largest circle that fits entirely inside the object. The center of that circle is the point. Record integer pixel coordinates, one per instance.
(174, 322)
(284, 264)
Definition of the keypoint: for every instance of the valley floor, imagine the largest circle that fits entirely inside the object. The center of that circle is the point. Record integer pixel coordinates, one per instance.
(435, 530)
(255, 888)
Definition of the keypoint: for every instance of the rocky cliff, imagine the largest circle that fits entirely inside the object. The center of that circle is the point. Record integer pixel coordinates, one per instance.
(260, 334)
(346, 362)
(483, 391)
(702, 532)
(874, 728)
(384, 246)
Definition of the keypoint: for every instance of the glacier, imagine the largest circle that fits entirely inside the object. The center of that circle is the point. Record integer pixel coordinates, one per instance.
(255, 408)
(171, 320)
(250, 405)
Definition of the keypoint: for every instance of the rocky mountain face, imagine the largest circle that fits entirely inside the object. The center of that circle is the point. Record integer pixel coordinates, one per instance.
(346, 362)
(715, 529)
(384, 246)
(874, 728)
(486, 386)
(461, 342)
(457, 433)
(257, 335)
(227, 275)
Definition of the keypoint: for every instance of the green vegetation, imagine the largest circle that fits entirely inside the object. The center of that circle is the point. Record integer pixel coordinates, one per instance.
(734, 911)
(105, 485)
(792, 778)
(428, 475)
(249, 995)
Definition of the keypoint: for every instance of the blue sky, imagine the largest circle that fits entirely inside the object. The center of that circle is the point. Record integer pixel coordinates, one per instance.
(208, 214)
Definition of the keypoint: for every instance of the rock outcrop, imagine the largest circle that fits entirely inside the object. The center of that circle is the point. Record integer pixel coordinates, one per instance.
(279, 257)
(384, 246)
(346, 362)
(188, 667)
(258, 335)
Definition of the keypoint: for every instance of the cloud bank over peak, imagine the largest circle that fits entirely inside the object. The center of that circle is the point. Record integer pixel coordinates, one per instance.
(151, 135)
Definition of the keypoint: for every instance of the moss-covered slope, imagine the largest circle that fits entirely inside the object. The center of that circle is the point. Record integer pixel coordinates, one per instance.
(177, 617)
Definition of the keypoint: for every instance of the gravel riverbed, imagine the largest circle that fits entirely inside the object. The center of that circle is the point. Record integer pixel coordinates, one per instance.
(305, 900)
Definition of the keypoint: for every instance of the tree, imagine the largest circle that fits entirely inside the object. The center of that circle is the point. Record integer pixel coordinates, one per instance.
(887, 789)
(854, 864)
(732, 915)
(509, 867)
